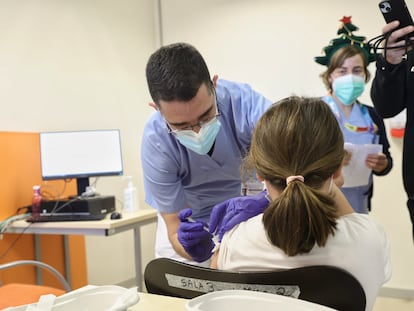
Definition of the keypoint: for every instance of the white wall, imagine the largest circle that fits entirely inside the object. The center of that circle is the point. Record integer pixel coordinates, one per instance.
(271, 44)
(80, 64)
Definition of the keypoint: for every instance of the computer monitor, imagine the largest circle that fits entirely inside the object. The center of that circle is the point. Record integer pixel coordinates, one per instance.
(80, 155)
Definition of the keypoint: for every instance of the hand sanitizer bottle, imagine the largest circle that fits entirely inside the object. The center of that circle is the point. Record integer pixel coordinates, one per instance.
(130, 197)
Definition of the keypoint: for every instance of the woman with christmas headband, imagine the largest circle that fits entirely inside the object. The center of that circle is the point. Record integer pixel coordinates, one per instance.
(347, 59)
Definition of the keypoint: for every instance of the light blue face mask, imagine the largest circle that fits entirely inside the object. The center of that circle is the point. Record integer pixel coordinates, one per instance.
(348, 88)
(202, 141)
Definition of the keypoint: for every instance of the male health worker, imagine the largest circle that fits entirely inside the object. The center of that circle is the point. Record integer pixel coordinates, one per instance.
(192, 148)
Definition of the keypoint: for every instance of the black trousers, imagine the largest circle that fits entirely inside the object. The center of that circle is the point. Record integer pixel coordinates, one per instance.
(410, 205)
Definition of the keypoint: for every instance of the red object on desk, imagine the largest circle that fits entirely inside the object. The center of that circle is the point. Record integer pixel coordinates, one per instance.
(36, 201)
(397, 132)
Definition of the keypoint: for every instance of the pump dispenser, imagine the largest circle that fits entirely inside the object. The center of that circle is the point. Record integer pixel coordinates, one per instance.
(130, 197)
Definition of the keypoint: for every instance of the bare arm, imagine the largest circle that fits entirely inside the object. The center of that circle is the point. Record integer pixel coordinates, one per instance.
(172, 222)
(214, 259)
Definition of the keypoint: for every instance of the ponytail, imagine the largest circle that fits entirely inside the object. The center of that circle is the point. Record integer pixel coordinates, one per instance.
(300, 217)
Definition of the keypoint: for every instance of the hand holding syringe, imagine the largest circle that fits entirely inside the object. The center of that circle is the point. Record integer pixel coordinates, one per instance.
(205, 228)
(190, 219)
(194, 236)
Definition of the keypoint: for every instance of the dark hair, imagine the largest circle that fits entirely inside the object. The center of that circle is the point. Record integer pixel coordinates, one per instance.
(298, 136)
(337, 60)
(176, 72)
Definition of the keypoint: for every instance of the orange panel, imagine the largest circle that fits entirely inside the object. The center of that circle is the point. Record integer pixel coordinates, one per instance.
(20, 170)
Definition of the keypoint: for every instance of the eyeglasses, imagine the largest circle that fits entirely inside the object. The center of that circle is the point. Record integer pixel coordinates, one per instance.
(199, 124)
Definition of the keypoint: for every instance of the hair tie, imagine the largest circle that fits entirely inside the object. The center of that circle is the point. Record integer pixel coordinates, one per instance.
(296, 177)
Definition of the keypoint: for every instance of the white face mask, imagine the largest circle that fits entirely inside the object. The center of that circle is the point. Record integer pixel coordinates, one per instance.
(348, 88)
(202, 141)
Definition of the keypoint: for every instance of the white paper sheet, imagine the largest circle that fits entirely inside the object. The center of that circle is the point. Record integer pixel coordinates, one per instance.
(356, 173)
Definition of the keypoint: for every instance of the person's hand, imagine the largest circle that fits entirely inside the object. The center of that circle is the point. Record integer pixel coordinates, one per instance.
(229, 213)
(395, 56)
(376, 162)
(194, 237)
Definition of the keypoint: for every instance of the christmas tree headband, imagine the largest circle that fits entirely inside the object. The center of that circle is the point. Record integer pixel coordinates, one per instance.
(346, 38)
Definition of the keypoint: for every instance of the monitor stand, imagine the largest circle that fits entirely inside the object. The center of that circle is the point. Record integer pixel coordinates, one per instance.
(82, 184)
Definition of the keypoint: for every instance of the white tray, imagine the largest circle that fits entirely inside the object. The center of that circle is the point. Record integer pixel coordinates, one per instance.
(93, 298)
(243, 300)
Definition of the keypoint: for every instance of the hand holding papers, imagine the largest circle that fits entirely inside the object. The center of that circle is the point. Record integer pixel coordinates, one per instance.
(356, 173)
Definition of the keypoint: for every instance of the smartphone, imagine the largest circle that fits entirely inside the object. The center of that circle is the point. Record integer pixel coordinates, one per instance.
(396, 10)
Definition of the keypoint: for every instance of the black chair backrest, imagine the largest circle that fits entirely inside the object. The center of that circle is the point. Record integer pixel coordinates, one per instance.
(325, 285)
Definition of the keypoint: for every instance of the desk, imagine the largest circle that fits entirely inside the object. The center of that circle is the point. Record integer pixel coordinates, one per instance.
(151, 302)
(105, 227)
(147, 302)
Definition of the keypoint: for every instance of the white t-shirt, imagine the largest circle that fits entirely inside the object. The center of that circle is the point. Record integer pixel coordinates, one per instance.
(359, 246)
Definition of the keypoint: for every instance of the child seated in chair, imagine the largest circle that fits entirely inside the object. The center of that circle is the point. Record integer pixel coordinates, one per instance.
(297, 150)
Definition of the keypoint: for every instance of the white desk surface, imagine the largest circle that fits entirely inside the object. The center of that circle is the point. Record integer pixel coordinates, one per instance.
(104, 227)
(151, 302)
(147, 302)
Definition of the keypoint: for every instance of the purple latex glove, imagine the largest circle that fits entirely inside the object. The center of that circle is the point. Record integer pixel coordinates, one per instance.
(230, 213)
(194, 237)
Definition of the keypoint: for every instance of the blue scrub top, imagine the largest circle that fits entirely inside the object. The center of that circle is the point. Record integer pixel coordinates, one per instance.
(176, 177)
(356, 196)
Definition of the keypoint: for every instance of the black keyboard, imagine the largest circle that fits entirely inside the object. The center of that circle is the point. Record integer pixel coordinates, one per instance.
(64, 217)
